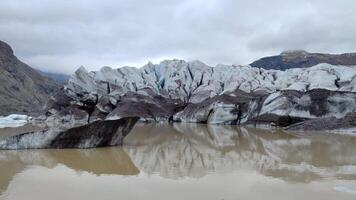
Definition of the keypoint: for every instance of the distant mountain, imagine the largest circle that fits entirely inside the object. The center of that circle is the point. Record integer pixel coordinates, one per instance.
(301, 59)
(58, 78)
(23, 89)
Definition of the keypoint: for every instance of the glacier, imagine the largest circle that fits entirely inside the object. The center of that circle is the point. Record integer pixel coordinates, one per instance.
(322, 97)
(195, 81)
(180, 91)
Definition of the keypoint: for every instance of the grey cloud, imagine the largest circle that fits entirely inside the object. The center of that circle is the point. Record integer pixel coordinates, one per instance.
(62, 35)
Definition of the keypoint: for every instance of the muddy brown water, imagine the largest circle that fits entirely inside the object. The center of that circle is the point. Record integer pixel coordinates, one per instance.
(188, 161)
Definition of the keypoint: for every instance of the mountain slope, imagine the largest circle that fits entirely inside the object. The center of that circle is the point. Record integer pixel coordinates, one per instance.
(23, 89)
(301, 59)
(60, 79)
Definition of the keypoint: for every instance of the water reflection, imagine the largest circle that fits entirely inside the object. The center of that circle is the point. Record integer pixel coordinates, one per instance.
(195, 150)
(181, 151)
(114, 161)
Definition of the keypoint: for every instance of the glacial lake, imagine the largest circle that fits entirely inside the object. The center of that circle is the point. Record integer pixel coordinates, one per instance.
(188, 161)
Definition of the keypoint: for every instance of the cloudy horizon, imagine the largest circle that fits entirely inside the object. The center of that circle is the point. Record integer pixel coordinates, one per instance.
(60, 36)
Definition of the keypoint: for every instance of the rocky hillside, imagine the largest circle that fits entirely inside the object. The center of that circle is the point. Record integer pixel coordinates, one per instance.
(300, 59)
(23, 89)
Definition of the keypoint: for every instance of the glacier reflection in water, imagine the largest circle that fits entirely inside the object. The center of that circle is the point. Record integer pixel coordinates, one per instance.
(194, 150)
(191, 161)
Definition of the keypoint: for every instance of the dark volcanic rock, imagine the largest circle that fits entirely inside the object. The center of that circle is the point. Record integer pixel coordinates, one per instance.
(23, 89)
(301, 59)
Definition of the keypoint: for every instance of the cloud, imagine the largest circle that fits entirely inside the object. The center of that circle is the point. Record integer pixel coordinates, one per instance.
(59, 36)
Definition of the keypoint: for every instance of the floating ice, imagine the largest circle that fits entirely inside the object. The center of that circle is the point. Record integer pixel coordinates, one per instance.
(34, 140)
(14, 120)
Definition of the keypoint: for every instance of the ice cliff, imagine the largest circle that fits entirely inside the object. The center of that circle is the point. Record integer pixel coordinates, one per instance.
(176, 90)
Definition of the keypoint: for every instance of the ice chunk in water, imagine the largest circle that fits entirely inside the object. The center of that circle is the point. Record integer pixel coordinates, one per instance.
(13, 120)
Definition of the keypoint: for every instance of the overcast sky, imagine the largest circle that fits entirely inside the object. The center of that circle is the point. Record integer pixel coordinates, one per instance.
(61, 35)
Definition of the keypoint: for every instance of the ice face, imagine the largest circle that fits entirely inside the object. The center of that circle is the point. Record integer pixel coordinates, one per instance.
(196, 81)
